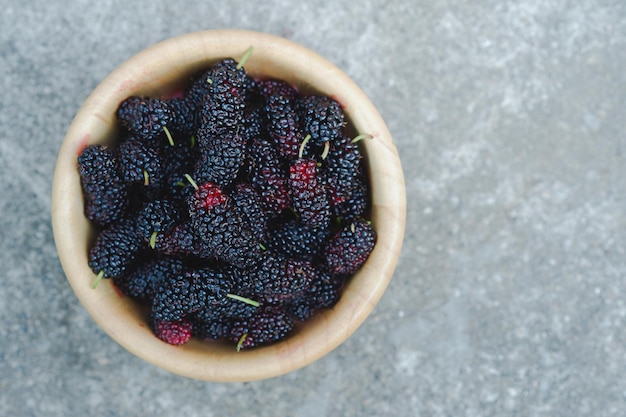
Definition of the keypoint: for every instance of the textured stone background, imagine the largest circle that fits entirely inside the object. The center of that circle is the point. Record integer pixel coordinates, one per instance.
(509, 297)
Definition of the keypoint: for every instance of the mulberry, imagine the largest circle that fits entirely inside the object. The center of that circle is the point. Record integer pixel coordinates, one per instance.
(308, 194)
(145, 117)
(267, 325)
(105, 194)
(116, 247)
(350, 247)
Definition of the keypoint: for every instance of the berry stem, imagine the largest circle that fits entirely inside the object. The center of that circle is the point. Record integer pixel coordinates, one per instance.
(361, 137)
(146, 178)
(192, 182)
(245, 57)
(243, 299)
(98, 279)
(303, 145)
(169, 135)
(153, 240)
(240, 341)
(326, 150)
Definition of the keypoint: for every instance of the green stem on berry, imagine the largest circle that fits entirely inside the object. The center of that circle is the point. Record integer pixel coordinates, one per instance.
(326, 150)
(353, 228)
(153, 240)
(243, 299)
(303, 145)
(192, 182)
(193, 142)
(169, 135)
(146, 178)
(240, 341)
(361, 137)
(244, 58)
(262, 246)
(209, 81)
(98, 279)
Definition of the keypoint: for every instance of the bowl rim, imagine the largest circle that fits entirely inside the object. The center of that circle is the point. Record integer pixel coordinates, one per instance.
(157, 70)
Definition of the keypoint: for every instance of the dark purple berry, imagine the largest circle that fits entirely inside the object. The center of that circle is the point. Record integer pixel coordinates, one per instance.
(219, 228)
(208, 326)
(295, 239)
(210, 287)
(173, 298)
(342, 170)
(322, 118)
(223, 106)
(142, 281)
(356, 204)
(308, 194)
(268, 325)
(248, 202)
(277, 279)
(158, 216)
(179, 241)
(140, 163)
(324, 293)
(220, 159)
(177, 161)
(253, 125)
(284, 126)
(268, 176)
(105, 194)
(116, 247)
(197, 90)
(185, 120)
(145, 117)
(350, 247)
(215, 320)
(271, 87)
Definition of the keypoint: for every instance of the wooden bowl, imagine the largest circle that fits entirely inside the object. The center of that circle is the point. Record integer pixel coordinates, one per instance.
(161, 69)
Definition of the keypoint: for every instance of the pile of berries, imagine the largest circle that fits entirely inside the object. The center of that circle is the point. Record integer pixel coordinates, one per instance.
(233, 210)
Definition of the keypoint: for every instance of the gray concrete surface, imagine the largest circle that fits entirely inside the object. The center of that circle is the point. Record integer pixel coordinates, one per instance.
(510, 294)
